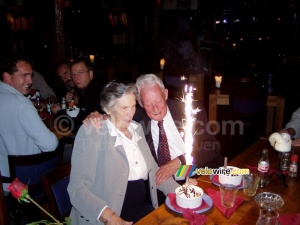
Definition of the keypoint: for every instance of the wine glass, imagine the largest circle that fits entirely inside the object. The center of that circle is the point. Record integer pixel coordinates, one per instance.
(39, 105)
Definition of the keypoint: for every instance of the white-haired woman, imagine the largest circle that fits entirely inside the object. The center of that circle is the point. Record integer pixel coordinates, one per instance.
(113, 172)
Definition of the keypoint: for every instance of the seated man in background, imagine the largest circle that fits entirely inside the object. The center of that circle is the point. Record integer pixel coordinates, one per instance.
(89, 89)
(293, 128)
(64, 73)
(22, 132)
(39, 83)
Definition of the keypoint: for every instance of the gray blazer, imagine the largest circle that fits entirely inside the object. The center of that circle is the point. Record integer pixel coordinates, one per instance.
(99, 174)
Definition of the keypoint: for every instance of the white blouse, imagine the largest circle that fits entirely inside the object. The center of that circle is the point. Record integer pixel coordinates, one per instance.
(137, 165)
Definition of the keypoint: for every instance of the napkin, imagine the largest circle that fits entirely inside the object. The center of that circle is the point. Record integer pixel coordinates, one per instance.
(172, 197)
(289, 219)
(215, 179)
(227, 212)
(193, 217)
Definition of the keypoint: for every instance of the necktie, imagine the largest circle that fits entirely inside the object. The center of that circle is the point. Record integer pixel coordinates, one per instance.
(163, 152)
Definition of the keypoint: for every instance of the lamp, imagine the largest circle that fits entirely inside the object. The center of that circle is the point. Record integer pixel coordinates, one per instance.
(92, 58)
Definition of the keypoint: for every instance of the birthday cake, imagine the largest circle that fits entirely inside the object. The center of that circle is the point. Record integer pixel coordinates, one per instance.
(189, 196)
(234, 179)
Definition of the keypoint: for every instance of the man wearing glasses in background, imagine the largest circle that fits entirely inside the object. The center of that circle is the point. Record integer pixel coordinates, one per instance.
(89, 89)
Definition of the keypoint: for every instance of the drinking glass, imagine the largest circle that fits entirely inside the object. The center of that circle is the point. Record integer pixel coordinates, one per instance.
(250, 184)
(39, 105)
(228, 194)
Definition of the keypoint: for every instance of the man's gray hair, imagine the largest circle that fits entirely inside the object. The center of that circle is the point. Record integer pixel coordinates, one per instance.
(146, 80)
(113, 91)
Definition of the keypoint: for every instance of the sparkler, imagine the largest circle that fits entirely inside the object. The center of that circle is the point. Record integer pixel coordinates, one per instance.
(188, 128)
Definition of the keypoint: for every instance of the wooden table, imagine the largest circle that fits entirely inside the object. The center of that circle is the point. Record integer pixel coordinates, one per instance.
(248, 211)
(57, 129)
(273, 102)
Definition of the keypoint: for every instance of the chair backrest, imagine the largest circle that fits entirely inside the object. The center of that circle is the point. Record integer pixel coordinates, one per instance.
(55, 184)
(30, 168)
(3, 213)
(250, 108)
(248, 105)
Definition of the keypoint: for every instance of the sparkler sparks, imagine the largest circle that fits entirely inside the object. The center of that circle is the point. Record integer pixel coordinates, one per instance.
(188, 128)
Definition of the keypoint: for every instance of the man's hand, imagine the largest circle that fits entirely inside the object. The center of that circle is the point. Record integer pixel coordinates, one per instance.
(94, 118)
(167, 171)
(69, 96)
(289, 131)
(296, 142)
(55, 108)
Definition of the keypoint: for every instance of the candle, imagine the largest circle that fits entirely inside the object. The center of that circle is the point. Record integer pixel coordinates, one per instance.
(92, 58)
(162, 63)
(218, 80)
(225, 162)
(188, 127)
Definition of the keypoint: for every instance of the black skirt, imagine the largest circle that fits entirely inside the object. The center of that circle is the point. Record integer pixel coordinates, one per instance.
(136, 204)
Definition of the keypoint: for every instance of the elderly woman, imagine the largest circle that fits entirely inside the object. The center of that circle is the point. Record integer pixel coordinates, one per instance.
(113, 171)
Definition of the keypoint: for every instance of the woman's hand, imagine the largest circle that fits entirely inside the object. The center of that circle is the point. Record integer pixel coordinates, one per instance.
(108, 217)
(116, 220)
(94, 118)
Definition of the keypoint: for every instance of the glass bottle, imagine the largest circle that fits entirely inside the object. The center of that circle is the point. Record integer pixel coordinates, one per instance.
(63, 103)
(263, 169)
(49, 103)
(285, 159)
(294, 166)
(37, 94)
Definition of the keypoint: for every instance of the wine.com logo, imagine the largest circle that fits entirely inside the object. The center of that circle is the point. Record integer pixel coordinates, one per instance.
(221, 170)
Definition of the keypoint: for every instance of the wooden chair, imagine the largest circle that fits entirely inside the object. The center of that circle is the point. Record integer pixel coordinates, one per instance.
(3, 213)
(55, 183)
(29, 169)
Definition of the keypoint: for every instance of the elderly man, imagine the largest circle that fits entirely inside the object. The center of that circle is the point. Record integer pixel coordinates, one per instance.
(22, 132)
(89, 92)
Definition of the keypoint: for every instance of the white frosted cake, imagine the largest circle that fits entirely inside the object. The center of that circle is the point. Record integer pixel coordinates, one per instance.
(189, 196)
(233, 179)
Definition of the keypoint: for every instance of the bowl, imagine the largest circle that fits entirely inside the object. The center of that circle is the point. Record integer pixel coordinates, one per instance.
(189, 201)
(73, 112)
(233, 179)
(269, 200)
